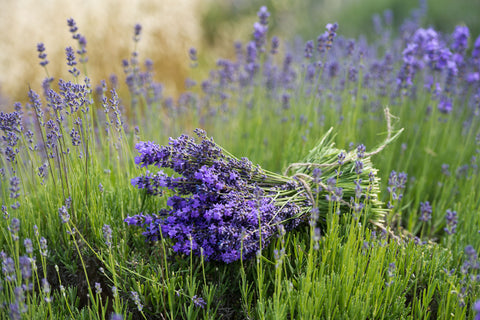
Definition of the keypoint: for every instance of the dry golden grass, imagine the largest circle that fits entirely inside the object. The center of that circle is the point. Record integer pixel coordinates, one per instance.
(170, 28)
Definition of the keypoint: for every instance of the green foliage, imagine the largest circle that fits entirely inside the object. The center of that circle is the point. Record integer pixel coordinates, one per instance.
(405, 270)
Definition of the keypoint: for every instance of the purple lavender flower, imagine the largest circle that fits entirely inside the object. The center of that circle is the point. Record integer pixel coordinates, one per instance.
(15, 311)
(116, 316)
(82, 42)
(388, 17)
(476, 309)
(251, 56)
(471, 263)
(445, 105)
(98, 288)
(358, 167)
(322, 42)
(275, 45)
(70, 56)
(446, 169)
(218, 210)
(72, 25)
(358, 188)
(460, 38)
(352, 74)
(390, 273)
(75, 135)
(14, 228)
(71, 61)
(331, 29)
(14, 187)
(42, 55)
(358, 207)
(198, 301)
(396, 183)
(107, 234)
(425, 211)
(136, 300)
(192, 53)
(10, 121)
(43, 247)
(137, 30)
(63, 214)
(471, 252)
(286, 101)
(260, 35)
(452, 221)
(341, 158)
(46, 289)
(263, 15)
(8, 268)
(25, 267)
(361, 149)
(476, 49)
(336, 195)
(28, 245)
(308, 49)
(472, 77)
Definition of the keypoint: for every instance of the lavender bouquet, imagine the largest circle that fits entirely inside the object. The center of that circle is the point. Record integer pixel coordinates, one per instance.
(225, 208)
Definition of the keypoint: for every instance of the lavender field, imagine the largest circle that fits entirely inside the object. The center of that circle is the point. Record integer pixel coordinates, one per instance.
(331, 178)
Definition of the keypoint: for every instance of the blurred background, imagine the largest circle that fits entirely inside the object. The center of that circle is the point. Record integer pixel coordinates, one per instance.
(171, 27)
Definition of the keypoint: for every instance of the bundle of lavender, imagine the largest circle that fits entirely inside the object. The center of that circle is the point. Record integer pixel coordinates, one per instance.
(225, 208)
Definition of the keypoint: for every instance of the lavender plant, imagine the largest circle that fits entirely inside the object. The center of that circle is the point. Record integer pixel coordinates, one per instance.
(226, 209)
(66, 165)
(223, 208)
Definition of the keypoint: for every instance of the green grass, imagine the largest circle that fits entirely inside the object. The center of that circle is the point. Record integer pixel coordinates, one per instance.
(410, 270)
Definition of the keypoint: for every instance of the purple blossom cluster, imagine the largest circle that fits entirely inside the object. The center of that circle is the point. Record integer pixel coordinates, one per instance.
(452, 220)
(396, 185)
(223, 208)
(20, 273)
(470, 274)
(425, 211)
